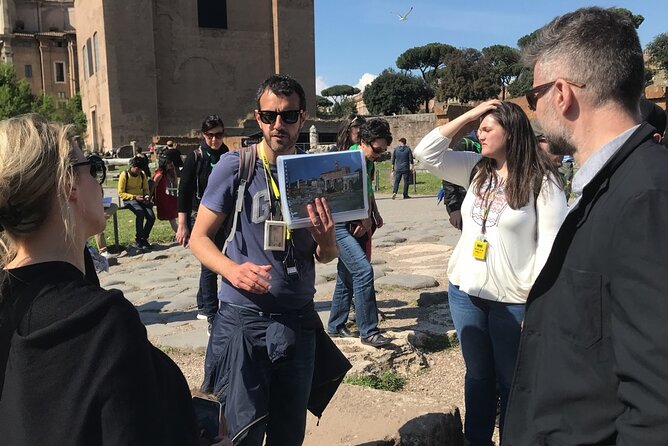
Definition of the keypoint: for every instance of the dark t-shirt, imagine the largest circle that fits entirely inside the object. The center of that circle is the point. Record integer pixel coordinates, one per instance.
(248, 243)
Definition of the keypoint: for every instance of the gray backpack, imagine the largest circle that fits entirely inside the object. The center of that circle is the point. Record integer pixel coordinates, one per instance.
(247, 157)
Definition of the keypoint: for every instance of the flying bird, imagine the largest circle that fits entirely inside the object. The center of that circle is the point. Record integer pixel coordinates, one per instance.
(403, 18)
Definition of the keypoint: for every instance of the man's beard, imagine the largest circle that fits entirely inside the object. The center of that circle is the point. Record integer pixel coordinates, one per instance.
(559, 139)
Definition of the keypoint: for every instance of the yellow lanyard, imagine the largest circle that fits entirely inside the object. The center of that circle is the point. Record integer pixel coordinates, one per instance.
(270, 178)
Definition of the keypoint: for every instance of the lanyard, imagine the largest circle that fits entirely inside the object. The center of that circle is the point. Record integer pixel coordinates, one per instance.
(274, 187)
(488, 200)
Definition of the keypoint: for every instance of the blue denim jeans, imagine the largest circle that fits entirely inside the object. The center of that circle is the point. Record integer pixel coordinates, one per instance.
(405, 174)
(354, 278)
(142, 212)
(489, 336)
(290, 389)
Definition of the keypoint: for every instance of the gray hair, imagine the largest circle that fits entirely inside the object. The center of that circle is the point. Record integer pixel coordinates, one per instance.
(594, 46)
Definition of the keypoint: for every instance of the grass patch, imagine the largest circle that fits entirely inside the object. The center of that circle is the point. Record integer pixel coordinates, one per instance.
(389, 381)
(426, 183)
(161, 232)
(439, 343)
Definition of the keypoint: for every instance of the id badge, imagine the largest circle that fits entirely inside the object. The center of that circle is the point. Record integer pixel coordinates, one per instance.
(274, 235)
(480, 249)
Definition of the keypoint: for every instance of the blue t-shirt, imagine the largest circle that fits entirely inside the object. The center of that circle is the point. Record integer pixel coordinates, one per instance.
(248, 242)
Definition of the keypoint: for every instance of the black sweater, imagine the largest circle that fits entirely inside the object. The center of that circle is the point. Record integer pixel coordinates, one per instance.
(80, 369)
(194, 178)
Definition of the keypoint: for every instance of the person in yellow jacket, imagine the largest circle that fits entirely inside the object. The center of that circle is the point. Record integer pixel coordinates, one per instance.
(134, 191)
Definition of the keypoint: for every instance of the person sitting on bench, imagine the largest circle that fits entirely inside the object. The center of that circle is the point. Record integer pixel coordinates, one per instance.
(134, 191)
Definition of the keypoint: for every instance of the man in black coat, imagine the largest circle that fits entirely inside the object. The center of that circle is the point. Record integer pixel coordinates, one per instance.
(593, 360)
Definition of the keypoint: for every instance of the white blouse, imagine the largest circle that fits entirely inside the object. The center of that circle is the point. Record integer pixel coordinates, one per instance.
(519, 240)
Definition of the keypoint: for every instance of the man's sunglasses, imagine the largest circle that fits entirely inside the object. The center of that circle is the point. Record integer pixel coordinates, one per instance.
(378, 150)
(217, 135)
(98, 169)
(287, 116)
(536, 92)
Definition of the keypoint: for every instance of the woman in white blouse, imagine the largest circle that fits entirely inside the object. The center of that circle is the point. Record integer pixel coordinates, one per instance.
(513, 209)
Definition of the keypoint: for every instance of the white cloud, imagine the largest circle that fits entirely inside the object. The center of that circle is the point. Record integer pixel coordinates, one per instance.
(320, 84)
(365, 80)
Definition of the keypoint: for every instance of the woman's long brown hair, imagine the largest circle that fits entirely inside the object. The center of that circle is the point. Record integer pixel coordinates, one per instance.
(527, 163)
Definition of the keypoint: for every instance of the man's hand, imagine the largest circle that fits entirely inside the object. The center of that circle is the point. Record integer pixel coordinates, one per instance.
(322, 230)
(250, 277)
(183, 235)
(362, 227)
(139, 197)
(456, 219)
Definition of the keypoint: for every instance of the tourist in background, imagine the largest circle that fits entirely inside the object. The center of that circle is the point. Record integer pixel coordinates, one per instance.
(513, 209)
(134, 190)
(349, 132)
(194, 179)
(402, 167)
(165, 190)
(354, 276)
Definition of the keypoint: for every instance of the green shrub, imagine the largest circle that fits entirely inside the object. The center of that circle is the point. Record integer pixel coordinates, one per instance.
(389, 381)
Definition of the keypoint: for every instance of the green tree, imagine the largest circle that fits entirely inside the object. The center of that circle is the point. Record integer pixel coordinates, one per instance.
(427, 59)
(527, 40)
(636, 19)
(658, 51)
(339, 92)
(322, 102)
(344, 108)
(467, 76)
(393, 92)
(504, 62)
(74, 114)
(15, 95)
(522, 83)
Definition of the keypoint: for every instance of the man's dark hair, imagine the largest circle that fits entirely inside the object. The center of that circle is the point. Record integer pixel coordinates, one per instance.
(376, 128)
(597, 47)
(211, 122)
(402, 141)
(284, 85)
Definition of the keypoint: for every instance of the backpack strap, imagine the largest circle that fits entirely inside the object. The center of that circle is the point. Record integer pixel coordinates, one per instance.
(247, 157)
(199, 158)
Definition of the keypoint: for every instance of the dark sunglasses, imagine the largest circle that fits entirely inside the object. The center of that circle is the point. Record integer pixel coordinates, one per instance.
(217, 135)
(536, 92)
(378, 150)
(287, 116)
(98, 169)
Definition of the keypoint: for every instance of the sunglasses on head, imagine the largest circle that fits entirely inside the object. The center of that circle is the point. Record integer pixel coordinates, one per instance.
(98, 169)
(287, 116)
(536, 92)
(217, 135)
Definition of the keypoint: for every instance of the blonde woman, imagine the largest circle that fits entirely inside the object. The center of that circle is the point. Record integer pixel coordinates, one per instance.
(75, 364)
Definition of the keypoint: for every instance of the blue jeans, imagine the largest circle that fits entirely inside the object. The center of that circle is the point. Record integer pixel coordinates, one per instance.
(142, 212)
(405, 174)
(290, 389)
(489, 335)
(354, 278)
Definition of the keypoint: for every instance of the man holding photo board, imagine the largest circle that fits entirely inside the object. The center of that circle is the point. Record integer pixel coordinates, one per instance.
(261, 352)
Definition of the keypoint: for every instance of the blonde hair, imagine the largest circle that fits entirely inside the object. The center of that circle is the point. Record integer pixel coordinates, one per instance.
(35, 162)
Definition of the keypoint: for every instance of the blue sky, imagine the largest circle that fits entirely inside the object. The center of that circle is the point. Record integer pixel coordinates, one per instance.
(356, 40)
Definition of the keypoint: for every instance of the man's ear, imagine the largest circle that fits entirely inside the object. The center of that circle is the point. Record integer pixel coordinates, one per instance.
(303, 118)
(563, 96)
(257, 118)
(657, 138)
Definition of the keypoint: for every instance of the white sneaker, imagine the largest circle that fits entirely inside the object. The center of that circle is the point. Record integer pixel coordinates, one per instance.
(202, 317)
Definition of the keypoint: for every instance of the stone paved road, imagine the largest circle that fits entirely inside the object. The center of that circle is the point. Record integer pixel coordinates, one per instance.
(410, 251)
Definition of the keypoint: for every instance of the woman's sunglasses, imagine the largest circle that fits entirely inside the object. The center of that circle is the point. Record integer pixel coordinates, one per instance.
(98, 169)
(287, 116)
